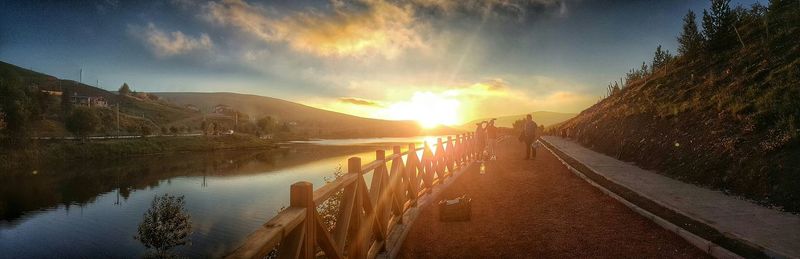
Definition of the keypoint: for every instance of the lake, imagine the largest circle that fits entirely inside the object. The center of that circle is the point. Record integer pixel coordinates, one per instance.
(93, 208)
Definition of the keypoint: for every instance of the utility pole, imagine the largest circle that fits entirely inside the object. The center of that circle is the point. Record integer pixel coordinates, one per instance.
(80, 76)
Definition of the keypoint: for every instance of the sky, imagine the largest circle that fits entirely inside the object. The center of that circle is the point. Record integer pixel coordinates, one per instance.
(435, 61)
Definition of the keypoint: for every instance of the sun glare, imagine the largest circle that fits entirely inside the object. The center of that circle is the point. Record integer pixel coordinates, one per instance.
(428, 109)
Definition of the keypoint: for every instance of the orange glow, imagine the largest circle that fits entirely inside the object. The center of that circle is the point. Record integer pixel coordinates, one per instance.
(428, 109)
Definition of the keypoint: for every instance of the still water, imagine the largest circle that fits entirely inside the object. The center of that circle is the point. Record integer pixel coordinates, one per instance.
(92, 208)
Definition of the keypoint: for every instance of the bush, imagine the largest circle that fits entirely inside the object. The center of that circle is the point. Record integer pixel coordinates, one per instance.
(82, 121)
(165, 225)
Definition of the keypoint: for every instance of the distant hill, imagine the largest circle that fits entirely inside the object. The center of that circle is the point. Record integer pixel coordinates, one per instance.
(313, 121)
(161, 112)
(541, 117)
(726, 115)
(135, 111)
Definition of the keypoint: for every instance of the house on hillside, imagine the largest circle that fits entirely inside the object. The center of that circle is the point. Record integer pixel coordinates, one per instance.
(192, 108)
(52, 92)
(88, 101)
(222, 109)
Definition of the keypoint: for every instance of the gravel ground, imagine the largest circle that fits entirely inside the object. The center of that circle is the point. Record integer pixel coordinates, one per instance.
(537, 208)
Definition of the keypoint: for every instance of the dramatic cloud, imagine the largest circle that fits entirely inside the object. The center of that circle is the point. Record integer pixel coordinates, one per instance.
(359, 101)
(514, 9)
(364, 28)
(165, 44)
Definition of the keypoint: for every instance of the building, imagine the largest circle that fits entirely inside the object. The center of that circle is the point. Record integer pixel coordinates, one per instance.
(52, 92)
(222, 109)
(88, 101)
(192, 108)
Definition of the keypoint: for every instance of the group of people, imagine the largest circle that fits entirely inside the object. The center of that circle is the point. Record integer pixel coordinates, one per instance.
(486, 137)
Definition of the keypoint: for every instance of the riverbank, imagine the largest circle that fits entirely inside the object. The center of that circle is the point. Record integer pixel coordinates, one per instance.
(54, 151)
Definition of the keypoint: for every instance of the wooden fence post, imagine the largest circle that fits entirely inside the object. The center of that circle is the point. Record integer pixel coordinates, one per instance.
(356, 247)
(301, 195)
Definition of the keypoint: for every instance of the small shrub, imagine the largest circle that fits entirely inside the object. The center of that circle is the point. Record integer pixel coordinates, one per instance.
(165, 225)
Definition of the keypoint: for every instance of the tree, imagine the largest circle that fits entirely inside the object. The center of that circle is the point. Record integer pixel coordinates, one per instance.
(266, 124)
(82, 121)
(66, 102)
(124, 89)
(718, 25)
(165, 225)
(690, 41)
(145, 131)
(13, 105)
(660, 58)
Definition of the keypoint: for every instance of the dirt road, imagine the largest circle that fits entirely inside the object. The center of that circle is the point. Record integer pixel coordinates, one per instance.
(539, 209)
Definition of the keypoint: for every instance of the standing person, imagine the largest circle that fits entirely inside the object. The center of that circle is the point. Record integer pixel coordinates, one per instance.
(528, 136)
(480, 139)
(491, 137)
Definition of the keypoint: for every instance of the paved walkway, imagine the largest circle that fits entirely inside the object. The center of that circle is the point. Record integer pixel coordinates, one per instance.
(538, 209)
(777, 232)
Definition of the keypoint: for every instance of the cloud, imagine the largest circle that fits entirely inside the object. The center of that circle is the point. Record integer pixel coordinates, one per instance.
(515, 9)
(359, 101)
(165, 44)
(350, 29)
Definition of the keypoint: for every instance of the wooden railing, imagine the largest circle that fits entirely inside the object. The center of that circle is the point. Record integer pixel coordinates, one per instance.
(367, 214)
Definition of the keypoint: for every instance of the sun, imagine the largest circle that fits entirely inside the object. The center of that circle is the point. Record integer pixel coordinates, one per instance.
(430, 110)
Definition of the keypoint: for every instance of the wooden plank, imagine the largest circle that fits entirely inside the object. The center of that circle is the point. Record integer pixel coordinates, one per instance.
(372, 216)
(371, 166)
(293, 243)
(325, 241)
(302, 196)
(356, 245)
(345, 217)
(261, 242)
(325, 192)
(375, 248)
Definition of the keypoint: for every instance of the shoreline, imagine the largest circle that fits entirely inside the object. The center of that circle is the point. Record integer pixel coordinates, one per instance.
(59, 151)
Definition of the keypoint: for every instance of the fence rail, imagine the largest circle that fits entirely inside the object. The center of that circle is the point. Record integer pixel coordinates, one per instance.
(367, 214)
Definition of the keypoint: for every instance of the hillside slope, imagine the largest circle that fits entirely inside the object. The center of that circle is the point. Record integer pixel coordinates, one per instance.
(728, 119)
(312, 121)
(48, 111)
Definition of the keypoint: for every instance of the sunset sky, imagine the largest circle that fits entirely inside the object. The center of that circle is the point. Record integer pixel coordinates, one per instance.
(383, 59)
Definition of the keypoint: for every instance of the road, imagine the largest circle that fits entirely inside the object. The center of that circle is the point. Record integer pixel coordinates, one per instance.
(538, 209)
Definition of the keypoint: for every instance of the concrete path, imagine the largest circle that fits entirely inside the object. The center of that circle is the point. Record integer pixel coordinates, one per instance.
(776, 233)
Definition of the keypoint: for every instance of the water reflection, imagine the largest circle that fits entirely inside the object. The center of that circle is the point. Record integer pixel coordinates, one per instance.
(92, 208)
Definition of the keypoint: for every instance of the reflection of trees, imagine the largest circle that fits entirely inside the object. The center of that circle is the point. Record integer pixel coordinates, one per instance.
(80, 182)
(165, 225)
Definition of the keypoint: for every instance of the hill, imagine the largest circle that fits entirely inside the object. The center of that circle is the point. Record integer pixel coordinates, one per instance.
(307, 121)
(725, 113)
(540, 117)
(47, 101)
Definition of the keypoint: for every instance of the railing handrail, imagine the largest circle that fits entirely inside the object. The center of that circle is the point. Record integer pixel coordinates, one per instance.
(367, 214)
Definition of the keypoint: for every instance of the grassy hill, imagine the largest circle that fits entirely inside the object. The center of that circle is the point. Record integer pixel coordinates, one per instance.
(47, 113)
(309, 121)
(726, 115)
(540, 117)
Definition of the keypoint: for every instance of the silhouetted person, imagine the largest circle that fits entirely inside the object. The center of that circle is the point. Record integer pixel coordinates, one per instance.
(480, 138)
(491, 136)
(528, 136)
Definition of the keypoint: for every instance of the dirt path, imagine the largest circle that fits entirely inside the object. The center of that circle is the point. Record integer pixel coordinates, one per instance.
(537, 208)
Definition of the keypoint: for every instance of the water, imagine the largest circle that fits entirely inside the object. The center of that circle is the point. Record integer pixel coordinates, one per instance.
(92, 208)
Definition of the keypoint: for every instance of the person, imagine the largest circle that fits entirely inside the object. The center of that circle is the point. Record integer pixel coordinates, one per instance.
(491, 137)
(528, 136)
(480, 138)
